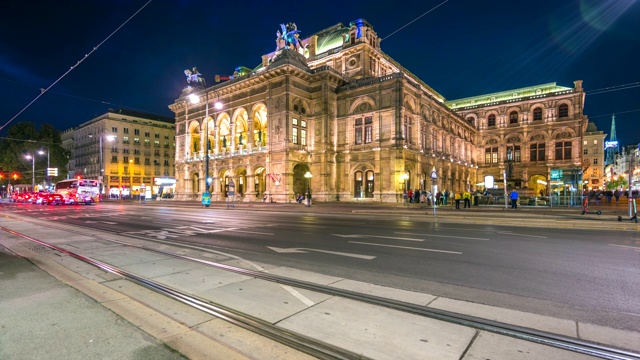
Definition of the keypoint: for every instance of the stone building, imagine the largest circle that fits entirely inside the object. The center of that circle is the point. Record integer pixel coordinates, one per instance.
(125, 149)
(593, 154)
(531, 135)
(336, 108)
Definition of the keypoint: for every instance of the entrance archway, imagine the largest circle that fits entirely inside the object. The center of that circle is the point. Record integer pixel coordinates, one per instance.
(299, 181)
(539, 185)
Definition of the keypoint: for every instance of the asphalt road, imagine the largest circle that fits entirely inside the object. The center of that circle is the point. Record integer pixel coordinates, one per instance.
(589, 275)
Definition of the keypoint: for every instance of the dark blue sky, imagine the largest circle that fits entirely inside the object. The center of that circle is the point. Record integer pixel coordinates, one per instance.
(463, 48)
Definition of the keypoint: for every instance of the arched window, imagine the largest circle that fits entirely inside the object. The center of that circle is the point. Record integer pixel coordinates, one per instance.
(471, 120)
(368, 190)
(563, 110)
(537, 114)
(513, 117)
(491, 120)
(357, 184)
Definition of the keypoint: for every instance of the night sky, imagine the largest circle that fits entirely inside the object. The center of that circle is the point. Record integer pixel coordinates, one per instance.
(462, 48)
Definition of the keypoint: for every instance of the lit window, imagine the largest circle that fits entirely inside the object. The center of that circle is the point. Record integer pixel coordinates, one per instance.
(299, 132)
(513, 153)
(491, 155)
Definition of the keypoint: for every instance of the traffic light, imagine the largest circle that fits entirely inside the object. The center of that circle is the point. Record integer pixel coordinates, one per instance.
(15, 176)
(78, 177)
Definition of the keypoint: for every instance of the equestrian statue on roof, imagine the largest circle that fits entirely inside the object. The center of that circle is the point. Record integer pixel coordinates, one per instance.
(194, 77)
(287, 37)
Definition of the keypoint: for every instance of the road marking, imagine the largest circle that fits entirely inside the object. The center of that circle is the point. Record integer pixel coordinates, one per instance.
(407, 247)
(251, 232)
(106, 222)
(637, 248)
(306, 250)
(527, 235)
(380, 237)
(445, 236)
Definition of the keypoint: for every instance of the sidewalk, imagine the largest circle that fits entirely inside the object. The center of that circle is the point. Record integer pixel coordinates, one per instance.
(44, 318)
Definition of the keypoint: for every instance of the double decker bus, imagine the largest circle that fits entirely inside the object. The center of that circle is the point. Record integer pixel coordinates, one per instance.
(85, 191)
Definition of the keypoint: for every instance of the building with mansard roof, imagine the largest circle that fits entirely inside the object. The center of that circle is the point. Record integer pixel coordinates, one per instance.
(334, 115)
(531, 137)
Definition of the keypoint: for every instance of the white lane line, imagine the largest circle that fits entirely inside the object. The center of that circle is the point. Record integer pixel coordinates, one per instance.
(287, 288)
(637, 248)
(251, 232)
(527, 235)
(445, 236)
(407, 247)
(396, 238)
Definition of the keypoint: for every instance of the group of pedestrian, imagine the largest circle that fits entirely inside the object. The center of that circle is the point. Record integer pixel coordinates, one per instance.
(464, 196)
(416, 196)
(595, 196)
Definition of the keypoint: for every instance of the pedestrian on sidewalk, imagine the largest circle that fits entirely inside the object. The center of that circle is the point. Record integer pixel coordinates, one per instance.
(467, 199)
(514, 199)
(457, 197)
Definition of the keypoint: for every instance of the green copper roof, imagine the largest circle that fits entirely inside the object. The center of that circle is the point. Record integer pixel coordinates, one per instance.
(515, 94)
(331, 38)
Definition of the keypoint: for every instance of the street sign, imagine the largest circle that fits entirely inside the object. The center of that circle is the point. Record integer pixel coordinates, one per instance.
(52, 171)
(206, 199)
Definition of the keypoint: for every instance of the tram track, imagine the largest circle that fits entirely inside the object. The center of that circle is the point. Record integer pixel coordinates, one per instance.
(319, 349)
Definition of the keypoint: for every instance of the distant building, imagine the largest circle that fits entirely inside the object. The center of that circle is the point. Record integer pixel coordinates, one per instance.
(131, 148)
(334, 107)
(611, 146)
(532, 135)
(628, 158)
(593, 154)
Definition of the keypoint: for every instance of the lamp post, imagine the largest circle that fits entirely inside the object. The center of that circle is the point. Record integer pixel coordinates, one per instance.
(195, 99)
(131, 179)
(434, 177)
(42, 153)
(308, 176)
(33, 170)
(101, 159)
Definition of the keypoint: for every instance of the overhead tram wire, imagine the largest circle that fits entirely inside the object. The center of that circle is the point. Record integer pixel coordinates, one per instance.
(414, 20)
(43, 91)
(614, 88)
(103, 102)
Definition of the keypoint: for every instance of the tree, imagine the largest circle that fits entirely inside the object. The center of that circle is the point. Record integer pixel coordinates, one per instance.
(620, 182)
(25, 139)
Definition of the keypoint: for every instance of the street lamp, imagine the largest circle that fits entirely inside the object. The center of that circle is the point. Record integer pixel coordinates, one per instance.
(405, 192)
(131, 179)
(434, 177)
(42, 153)
(33, 170)
(308, 176)
(195, 99)
(101, 160)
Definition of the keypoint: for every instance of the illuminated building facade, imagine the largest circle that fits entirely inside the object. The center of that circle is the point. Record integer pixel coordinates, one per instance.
(533, 136)
(362, 127)
(593, 154)
(135, 148)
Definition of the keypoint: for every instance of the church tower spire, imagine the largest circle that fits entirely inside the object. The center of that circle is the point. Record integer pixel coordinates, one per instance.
(612, 149)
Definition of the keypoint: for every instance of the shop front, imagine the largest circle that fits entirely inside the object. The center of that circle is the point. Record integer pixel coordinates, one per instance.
(164, 187)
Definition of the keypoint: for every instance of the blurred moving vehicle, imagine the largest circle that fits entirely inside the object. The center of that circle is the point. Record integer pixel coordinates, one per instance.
(85, 191)
(54, 199)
